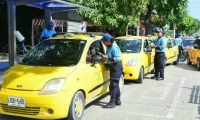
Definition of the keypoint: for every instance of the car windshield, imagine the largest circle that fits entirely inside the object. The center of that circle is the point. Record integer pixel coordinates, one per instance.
(187, 42)
(55, 53)
(129, 45)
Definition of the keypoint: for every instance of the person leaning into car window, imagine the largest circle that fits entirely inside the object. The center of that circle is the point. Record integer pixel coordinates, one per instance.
(113, 60)
(48, 32)
(159, 59)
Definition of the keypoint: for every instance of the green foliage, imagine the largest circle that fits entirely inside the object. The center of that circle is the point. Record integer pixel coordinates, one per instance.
(114, 14)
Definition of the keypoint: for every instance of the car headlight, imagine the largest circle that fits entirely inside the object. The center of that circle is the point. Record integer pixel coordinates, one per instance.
(52, 86)
(2, 78)
(131, 62)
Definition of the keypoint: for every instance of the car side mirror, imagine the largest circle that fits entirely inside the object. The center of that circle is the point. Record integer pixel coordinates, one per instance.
(96, 58)
(169, 46)
(54, 35)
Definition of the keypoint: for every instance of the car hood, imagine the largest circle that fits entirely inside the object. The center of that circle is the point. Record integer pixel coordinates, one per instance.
(33, 77)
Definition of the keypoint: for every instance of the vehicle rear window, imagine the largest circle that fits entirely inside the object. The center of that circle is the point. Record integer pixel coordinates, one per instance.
(187, 42)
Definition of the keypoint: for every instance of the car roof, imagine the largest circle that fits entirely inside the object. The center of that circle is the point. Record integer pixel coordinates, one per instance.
(129, 36)
(76, 36)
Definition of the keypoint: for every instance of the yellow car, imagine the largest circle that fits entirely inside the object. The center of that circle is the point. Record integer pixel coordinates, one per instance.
(137, 56)
(194, 54)
(171, 51)
(56, 79)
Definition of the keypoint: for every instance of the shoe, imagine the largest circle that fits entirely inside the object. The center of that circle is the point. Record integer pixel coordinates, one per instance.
(160, 79)
(153, 77)
(111, 104)
(118, 101)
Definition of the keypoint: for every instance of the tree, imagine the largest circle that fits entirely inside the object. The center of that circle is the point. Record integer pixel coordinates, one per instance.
(114, 14)
(169, 11)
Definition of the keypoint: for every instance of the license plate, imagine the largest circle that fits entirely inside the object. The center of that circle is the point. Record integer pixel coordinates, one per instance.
(16, 101)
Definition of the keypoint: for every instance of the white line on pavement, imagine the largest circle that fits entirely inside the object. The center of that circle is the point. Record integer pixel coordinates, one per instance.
(176, 100)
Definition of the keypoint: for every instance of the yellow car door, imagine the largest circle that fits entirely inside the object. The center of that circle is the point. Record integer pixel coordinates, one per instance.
(169, 51)
(147, 57)
(152, 55)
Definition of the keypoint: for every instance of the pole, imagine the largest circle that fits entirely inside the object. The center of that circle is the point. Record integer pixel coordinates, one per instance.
(126, 30)
(32, 34)
(174, 30)
(48, 17)
(138, 30)
(11, 8)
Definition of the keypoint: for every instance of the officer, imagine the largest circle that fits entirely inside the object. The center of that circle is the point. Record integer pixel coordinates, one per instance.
(159, 59)
(180, 44)
(113, 60)
(48, 32)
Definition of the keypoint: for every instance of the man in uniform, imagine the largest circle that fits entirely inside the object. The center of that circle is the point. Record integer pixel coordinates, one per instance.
(113, 60)
(48, 32)
(159, 59)
(180, 44)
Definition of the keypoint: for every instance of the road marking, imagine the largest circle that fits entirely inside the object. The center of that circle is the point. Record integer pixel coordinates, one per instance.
(164, 91)
(176, 100)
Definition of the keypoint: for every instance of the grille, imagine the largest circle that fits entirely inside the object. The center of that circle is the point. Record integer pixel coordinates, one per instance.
(20, 110)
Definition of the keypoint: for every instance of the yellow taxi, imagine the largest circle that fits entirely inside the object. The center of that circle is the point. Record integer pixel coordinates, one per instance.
(137, 56)
(56, 79)
(171, 51)
(194, 54)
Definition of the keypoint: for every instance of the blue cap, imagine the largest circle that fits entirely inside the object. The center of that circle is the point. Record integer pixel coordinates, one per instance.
(106, 37)
(51, 24)
(159, 31)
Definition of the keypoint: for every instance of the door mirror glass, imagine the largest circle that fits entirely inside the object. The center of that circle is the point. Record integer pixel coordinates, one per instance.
(169, 46)
(96, 58)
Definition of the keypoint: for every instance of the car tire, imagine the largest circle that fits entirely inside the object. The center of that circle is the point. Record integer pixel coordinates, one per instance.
(176, 62)
(188, 60)
(121, 83)
(198, 64)
(141, 75)
(77, 107)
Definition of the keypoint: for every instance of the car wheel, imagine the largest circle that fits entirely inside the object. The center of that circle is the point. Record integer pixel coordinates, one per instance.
(176, 62)
(141, 75)
(198, 64)
(77, 107)
(188, 60)
(121, 83)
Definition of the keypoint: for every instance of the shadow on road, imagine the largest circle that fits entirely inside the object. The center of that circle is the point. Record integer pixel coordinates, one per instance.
(195, 97)
(183, 65)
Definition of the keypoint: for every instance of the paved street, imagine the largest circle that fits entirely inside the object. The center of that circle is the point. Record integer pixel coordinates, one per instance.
(175, 98)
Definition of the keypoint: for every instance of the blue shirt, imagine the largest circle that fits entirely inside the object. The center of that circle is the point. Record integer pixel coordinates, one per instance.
(46, 33)
(161, 44)
(113, 53)
(179, 41)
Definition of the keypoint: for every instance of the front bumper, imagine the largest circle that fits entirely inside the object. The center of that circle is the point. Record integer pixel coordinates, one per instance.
(36, 106)
(131, 73)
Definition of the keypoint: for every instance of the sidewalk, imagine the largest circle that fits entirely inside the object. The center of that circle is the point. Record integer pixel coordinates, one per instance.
(4, 62)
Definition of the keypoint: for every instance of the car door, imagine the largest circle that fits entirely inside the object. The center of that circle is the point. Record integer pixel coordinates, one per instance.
(195, 52)
(169, 51)
(97, 77)
(147, 56)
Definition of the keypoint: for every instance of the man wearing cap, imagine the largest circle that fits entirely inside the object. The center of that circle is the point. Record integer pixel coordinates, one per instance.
(113, 60)
(180, 44)
(159, 59)
(48, 32)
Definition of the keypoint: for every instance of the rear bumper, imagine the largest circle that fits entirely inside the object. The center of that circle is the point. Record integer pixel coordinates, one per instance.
(37, 106)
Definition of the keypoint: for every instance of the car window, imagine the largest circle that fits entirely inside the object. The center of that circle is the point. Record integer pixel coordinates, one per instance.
(196, 43)
(55, 53)
(174, 42)
(169, 42)
(93, 49)
(129, 45)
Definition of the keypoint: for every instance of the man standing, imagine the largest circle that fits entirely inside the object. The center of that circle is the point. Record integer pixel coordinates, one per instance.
(48, 32)
(113, 59)
(159, 59)
(180, 44)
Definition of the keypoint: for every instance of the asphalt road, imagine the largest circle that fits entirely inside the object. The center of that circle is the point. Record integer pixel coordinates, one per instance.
(175, 98)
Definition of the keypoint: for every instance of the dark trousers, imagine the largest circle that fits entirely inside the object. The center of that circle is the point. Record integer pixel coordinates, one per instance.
(159, 64)
(115, 74)
(114, 89)
(180, 49)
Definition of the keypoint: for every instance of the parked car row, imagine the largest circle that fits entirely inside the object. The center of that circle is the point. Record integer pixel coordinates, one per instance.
(59, 76)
